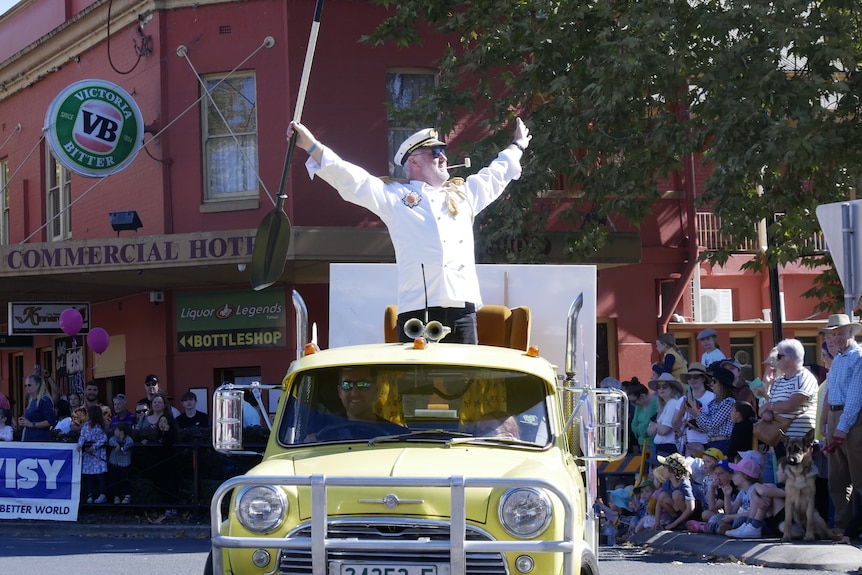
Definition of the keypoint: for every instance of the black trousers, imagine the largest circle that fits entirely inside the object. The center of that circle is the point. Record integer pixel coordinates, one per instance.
(461, 320)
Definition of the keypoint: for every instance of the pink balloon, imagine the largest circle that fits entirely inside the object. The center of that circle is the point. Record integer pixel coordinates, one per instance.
(98, 340)
(71, 321)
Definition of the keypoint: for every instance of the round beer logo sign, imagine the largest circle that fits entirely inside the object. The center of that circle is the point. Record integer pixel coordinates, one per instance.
(94, 128)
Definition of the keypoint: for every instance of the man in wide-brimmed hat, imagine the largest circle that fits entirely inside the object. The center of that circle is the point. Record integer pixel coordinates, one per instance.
(698, 381)
(840, 417)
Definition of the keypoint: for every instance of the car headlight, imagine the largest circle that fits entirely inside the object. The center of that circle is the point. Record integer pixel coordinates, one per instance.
(261, 508)
(525, 512)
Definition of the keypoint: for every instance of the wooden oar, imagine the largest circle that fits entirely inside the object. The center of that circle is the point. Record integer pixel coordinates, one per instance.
(273, 234)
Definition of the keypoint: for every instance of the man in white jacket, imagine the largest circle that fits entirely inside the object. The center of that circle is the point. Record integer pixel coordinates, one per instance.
(429, 218)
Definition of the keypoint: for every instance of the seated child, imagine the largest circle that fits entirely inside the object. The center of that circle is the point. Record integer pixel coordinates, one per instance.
(617, 513)
(767, 508)
(721, 490)
(675, 496)
(701, 473)
(746, 474)
(644, 492)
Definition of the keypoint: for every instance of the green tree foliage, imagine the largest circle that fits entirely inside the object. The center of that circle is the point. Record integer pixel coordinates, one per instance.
(620, 94)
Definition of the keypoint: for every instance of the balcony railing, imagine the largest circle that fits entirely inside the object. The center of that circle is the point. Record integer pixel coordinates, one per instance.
(710, 236)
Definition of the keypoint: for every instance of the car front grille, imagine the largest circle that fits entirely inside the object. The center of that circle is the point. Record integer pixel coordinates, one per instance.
(294, 562)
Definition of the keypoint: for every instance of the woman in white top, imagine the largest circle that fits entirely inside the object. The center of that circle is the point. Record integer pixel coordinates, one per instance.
(697, 380)
(670, 398)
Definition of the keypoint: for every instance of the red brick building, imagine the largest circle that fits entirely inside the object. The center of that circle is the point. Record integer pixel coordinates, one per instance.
(200, 194)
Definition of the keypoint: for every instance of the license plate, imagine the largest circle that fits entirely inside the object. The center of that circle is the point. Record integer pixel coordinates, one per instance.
(339, 568)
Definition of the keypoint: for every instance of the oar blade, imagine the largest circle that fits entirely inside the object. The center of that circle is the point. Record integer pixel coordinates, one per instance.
(270, 249)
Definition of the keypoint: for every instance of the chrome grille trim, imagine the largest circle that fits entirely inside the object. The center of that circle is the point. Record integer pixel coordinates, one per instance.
(298, 562)
(320, 544)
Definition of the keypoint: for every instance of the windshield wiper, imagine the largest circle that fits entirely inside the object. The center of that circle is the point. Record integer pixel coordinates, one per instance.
(422, 434)
(496, 440)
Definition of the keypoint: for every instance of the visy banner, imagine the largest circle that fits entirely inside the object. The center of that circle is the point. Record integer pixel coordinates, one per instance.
(39, 481)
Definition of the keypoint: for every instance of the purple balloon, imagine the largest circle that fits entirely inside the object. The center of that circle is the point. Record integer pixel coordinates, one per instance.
(98, 340)
(71, 321)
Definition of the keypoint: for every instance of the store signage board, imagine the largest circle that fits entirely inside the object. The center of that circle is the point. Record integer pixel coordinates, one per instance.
(43, 318)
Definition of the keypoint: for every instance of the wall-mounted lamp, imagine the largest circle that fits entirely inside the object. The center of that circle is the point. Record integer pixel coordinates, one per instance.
(127, 220)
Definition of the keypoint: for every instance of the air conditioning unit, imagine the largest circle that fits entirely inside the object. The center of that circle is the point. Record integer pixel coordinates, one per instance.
(716, 306)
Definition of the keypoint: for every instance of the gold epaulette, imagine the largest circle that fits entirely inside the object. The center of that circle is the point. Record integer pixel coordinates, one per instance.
(457, 181)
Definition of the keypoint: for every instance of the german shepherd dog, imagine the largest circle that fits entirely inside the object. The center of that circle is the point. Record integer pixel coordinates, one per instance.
(799, 490)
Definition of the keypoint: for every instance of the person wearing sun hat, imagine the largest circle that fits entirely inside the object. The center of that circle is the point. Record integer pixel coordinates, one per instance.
(701, 473)
(670, 397)
(843, 403)
(721, 491)
(430, 220)
(676, 502)
(714, 418)
(698, 381)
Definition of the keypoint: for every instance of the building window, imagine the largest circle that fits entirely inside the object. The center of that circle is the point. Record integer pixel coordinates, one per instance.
(58, 195)
(402, 91)
(4, 201)
(230, 138)
(743, 349)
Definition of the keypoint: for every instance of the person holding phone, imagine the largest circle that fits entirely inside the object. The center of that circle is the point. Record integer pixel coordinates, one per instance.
(697, 395)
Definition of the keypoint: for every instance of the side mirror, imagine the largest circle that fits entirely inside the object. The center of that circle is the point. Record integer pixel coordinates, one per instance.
(597, 422)
(611, 425)
(227, 420)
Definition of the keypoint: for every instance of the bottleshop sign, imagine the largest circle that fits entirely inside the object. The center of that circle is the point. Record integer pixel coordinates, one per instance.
(94, 128)
(119, 254)
(43, 318)
(239, 319)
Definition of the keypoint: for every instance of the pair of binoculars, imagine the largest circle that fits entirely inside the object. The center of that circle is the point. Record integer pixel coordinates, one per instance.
(433, 332)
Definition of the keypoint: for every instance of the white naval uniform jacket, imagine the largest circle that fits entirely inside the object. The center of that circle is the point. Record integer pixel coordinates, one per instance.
(421, 227)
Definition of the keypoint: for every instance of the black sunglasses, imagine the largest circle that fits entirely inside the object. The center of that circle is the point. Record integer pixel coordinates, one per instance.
(780, 355)
(347, 385)
(437, 151)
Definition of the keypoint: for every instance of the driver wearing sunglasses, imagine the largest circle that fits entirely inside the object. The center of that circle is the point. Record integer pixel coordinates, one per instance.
(358, 391)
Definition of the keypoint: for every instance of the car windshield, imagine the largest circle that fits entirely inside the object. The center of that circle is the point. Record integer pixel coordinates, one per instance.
(415, 403)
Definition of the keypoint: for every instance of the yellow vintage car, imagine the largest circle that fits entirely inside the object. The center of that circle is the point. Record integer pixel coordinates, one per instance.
(422, 458)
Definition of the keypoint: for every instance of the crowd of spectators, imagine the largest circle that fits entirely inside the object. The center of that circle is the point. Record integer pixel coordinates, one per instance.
(108, 437)
(707, 471)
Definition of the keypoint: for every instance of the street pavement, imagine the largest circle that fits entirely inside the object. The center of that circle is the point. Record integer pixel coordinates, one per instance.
(819, 555)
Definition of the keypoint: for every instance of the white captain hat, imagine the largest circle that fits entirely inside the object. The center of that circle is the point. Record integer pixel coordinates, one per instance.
(426, 138)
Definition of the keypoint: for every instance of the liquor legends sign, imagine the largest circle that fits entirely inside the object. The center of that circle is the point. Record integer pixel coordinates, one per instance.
(94, 128)
(237, 319)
